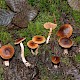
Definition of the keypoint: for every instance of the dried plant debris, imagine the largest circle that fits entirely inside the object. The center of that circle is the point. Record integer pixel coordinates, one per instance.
(31, 14)
(17, 5)
(25, 12)
(75, 4)
(22, 18)
(5, 17)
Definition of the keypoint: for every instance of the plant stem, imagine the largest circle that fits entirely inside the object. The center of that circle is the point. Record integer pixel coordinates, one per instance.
(47, 41)
(22, 55)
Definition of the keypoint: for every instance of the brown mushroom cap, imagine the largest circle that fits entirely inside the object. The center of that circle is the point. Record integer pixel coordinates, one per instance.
(7, 51)
(19, 40)
(32, 45)
(49, 25)
(38, 39)
(65, 42)
(65, 31)
(55, 59)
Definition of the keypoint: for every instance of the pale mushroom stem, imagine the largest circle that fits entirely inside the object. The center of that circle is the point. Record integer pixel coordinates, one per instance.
(65, 51)
(55, 66)
(22, 55)
(0, 45)
(79, 49)
(32, 52)
(47, 41)
(36, 51)
(6, 62)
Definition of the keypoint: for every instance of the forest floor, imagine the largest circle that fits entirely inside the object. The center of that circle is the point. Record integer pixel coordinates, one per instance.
(43, 69)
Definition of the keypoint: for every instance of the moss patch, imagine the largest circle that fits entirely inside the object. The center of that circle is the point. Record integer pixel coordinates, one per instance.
(77, 39)
(1, 73)
(77, 58)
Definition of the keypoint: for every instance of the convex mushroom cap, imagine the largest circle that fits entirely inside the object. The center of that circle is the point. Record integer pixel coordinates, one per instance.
(19, 40)
(49, 25)
(7, 51)
(55, 59)
(32, 45)
(65, 31)
(65, 42)
(38, 39)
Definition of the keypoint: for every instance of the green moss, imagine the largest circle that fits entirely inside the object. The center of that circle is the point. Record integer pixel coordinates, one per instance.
(77, 39)
(5, 37)
(77, 58)
(76, 16)
(65, 60)
(2, 4)
(1, 73)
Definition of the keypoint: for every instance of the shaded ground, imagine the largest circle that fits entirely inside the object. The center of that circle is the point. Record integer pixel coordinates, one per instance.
(68, 69)
(43, 68)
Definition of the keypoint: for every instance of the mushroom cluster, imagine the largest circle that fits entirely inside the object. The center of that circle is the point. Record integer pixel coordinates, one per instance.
(64, 33)
(35, 42)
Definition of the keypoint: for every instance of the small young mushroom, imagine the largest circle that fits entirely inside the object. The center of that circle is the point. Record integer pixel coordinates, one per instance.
(65, 31)
(51, 26)
(39, 40)
(6, 52)
(55, 60)
(19, 41)
(65, 43)
(32, 45)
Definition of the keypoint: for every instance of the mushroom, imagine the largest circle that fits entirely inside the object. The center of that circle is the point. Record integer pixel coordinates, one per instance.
(6, 52)
(39, 40)
(32, 45)
(51, 26)
(55, 60)
(65, 31)
(19, 41)
(65, 43)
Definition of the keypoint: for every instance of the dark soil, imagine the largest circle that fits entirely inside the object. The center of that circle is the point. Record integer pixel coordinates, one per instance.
(42, 67)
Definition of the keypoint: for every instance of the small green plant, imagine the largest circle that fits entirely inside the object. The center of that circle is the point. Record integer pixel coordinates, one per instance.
(1, 73)
(77, 58)
(65, 60)
(2, 4)
(77, 39)
(5, 37)
(76, 16)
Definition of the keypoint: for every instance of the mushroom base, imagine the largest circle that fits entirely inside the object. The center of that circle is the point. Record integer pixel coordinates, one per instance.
(35, 51)
(65, 51)
(55, 66)
(6, 62)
